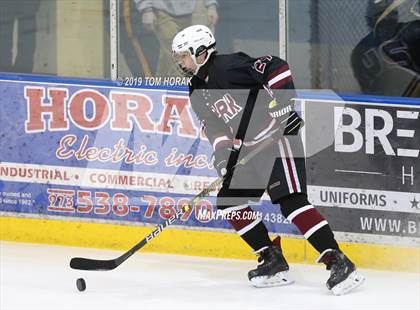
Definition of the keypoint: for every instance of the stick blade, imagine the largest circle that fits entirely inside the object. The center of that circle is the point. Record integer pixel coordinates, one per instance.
(92, 264)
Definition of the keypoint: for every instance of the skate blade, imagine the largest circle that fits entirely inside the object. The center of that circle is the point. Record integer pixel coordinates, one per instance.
(353, 280)
(279, 279)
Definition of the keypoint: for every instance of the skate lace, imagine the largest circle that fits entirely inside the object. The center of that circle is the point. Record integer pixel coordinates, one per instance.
(335, 264)
(335, 268)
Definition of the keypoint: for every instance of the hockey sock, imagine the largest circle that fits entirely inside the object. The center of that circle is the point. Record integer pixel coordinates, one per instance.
(315, 228)
(251, 229)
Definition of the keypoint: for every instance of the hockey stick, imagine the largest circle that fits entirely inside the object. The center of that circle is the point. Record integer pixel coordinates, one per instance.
(104, 265)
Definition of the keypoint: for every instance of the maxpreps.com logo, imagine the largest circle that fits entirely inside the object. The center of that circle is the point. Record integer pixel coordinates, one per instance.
(52, 109)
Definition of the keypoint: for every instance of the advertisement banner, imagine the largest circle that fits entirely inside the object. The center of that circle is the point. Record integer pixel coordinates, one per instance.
(367, 179)
(80, 150)
(93, 151)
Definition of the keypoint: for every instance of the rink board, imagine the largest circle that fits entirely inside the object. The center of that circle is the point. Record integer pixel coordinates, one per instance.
(77, 154)
(194, 242)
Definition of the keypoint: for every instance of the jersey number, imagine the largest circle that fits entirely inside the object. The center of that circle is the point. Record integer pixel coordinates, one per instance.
(260, 63)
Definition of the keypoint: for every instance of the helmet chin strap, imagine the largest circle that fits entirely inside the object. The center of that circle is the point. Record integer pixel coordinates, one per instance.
(198, 66)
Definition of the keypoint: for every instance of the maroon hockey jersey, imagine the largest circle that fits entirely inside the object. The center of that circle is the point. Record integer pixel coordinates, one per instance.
(231, 94)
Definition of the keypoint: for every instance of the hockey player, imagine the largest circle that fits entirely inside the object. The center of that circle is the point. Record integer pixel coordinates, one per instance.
(235, 124)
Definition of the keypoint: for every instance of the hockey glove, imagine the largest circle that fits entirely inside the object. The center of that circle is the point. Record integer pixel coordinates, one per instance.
(221, 160)
(285, 115)
(278, 111)
(221, 157)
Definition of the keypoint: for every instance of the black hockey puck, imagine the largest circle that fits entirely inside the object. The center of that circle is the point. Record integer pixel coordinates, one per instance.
(81, 284)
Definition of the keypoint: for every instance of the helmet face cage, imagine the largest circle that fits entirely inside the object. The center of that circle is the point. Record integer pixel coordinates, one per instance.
(176, 56)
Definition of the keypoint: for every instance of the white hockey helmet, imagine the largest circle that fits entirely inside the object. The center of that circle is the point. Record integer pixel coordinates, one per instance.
(194, 40)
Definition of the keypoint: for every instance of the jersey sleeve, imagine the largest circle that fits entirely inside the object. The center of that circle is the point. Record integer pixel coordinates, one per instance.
(272, 71)
(274, 74)
(218, 137)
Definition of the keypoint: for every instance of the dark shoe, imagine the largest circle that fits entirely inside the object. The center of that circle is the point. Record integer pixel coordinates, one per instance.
(343, 276)
(272, 269)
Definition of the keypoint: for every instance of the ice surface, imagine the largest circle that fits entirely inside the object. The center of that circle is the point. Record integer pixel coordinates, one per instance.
(39, 277)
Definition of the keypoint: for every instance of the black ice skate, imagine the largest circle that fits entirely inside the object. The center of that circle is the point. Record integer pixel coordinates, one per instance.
(272, 269)
(343, 276)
